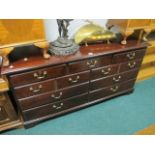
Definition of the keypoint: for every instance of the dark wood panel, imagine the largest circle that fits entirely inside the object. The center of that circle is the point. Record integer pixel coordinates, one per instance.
(55, 108)
(37, 75)
(104, 82)
(130, 65)
(104, 71)
(34, 89)
(105, 92)
(3, 114)
(73, 79)
(89, 64)
(39, 100)
(8, 115)
(129, 56)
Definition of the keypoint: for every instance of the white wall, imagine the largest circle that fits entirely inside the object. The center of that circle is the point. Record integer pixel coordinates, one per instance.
(52, 30)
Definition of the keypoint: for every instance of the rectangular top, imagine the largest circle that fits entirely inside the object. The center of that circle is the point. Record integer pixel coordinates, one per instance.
(84, 53)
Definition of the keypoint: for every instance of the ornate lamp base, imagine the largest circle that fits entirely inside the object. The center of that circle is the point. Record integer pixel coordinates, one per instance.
(63, 46)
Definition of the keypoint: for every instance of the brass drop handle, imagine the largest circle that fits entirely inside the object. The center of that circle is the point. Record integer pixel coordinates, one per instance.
(58, 107)
(117, 79)
(74, 80)
(56, 97)
(131, 56)
(105, 72)
(131, 64)
(40, 75)
(0, 109)
(36, 90)
(92, 63)
(114, 89)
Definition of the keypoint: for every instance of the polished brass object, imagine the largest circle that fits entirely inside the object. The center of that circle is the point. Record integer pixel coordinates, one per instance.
(106, 72)
(92, 32)
(36, 90)
(131, 55)
(56, 97)
(40, 75)
(92, 63)
(74, 81)
(114, 89)
(131, 64)
(58, 107)
(117, 79)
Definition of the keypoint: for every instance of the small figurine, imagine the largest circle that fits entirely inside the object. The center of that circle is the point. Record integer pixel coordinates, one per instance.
(63, 45)
(63, 27)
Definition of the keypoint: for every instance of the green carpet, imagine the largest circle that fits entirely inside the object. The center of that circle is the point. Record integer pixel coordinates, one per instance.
(126, 114)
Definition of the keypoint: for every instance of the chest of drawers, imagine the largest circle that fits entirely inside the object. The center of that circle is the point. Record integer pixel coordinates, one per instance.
(43, 89)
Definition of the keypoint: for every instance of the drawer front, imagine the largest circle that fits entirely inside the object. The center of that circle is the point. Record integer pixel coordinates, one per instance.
(97, 84)
(40, 100)
(128, 56)
(104, 71)
(89, 64)
(37, 75)
(130, 65)
(55, 107)
(74, 79)
(3, 114)
(35, 89)
(102, 93)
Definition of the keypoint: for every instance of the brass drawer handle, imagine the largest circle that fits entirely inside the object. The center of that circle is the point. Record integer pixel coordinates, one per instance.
(58, 107)
(40, 75)
(92, 63)
(131, 64)
(56, 97)
(36, 90)
(0, 109)
(117, 79)
(74, 81)
(106, 72)
(131, 56)
(114, 89)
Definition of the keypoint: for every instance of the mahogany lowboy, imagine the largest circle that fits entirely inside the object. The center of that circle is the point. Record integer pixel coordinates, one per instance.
(43, 89)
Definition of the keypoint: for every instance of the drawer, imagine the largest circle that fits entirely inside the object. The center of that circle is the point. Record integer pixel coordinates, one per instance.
(104, 71)
(37, 75)
(128, 56)
(3, 114)
(52, 109)
(89, 64)
(104, 82)
(103, 93)
(39, 100)
(73, 79)
(130, 65)
(34, 89)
